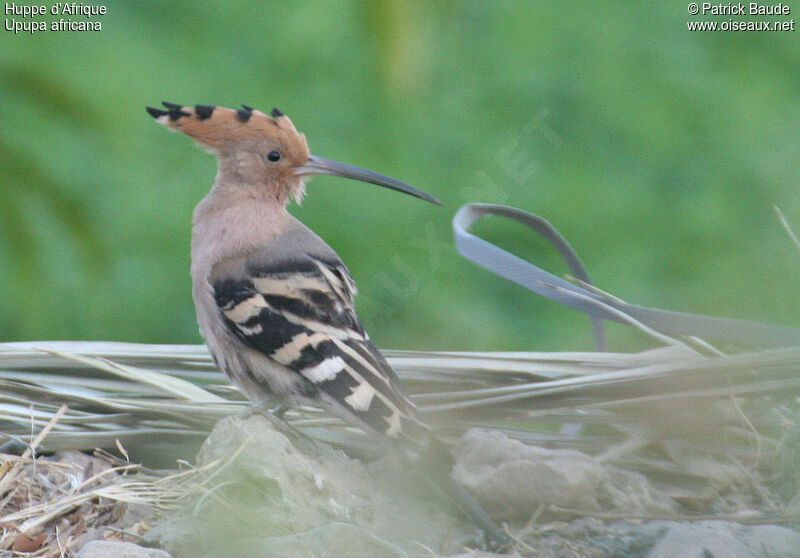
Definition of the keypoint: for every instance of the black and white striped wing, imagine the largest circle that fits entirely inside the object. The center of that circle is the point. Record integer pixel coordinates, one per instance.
(301, 314)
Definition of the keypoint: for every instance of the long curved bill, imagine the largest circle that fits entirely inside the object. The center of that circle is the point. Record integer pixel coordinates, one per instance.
(318, 165)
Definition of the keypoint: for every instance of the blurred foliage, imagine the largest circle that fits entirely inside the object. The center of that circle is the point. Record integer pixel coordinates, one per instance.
(657, 152)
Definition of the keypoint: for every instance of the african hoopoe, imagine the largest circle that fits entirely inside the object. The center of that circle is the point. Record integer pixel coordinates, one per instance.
(274, 302)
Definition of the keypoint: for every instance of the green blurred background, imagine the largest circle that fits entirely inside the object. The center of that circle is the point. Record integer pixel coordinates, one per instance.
(657, 152)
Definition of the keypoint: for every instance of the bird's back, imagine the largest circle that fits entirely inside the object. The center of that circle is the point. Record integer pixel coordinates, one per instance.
(291, 302)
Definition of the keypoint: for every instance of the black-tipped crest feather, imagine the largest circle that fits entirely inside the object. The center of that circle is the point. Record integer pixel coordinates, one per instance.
(154, 112)
(244, 113)
(203, 111)
(176, 114)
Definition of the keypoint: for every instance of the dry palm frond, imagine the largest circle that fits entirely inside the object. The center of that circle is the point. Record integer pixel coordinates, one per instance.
(156, 396)
(696, 423)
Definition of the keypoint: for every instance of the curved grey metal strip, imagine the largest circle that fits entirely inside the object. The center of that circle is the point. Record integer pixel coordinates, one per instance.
(538, 280)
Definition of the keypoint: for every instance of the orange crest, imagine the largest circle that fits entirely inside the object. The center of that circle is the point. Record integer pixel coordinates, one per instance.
(223, 130)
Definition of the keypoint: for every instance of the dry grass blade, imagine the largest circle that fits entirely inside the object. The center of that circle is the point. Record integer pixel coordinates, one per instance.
(8, 473)
(170, 384)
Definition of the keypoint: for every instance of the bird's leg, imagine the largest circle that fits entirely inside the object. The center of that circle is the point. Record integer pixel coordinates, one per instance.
(275, 415)
(495, 538)
(437, 462)
(280, 410)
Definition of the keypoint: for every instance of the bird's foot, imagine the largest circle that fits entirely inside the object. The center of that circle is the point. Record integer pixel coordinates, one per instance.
(496, 541)
(275, 416)
(495, 538)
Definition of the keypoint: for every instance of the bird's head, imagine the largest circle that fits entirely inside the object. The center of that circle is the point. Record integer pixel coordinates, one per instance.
(264, 149)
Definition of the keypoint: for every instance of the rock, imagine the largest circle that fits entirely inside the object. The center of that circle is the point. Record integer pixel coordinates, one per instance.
(330, 541)
(722, 539)
(280, 494)
(271, 495)
(83, 467)
(134, 515)
(483, 554)
(473, 553)
(512, 480)
(114, 549)
(590, 538)
(91, 534)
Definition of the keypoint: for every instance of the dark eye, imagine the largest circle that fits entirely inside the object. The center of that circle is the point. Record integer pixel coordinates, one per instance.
(274, 156)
